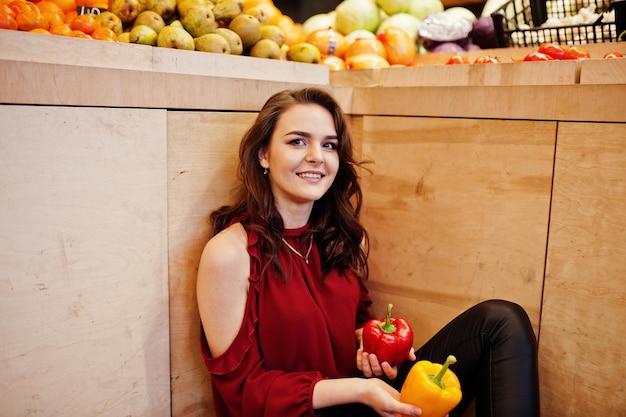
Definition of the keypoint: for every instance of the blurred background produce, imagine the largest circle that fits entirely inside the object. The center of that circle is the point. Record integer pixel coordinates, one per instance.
(386, 32)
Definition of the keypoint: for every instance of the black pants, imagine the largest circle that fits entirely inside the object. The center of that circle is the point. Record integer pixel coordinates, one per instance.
(496, 350)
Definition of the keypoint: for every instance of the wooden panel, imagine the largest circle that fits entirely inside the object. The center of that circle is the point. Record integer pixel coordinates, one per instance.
(511, 73)
(24, 46)
(457, 210)
(202, 161)
(542, 102)
(582, 325)
(83, 249)
(241, 67)
(31, 47)
(604, 71)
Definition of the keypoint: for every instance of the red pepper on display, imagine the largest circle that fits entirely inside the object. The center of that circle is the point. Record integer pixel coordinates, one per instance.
(554, 50)
(487, 60)
(457, 59)
(577, 52)
(389, 339)
(537, 56)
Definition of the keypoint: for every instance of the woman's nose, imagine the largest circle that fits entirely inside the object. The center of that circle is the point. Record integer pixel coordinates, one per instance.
(314, 154)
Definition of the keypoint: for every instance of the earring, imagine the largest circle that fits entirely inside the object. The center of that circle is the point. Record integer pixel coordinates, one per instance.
(265, 171)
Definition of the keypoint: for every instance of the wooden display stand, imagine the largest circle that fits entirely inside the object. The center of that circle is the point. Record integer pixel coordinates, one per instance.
(114, 156)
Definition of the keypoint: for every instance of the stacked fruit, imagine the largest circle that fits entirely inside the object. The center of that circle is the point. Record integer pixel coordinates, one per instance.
(57, 17)
(370, 33)
(357, 34)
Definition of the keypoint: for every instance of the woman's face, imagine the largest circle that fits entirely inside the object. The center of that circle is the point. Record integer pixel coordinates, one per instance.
(301, 157)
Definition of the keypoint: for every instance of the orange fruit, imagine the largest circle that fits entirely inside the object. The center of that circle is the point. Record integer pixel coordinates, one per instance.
(65, 5)
(333, 62)
(31, 19)
(61, 30)
(53, 18)
(366, 61)
(365, 46)
(399, 46)
(49, 7)
(40, 30)
(104, 34)
(293, 31)
(7, 10)
(7, 21)
(328, 41)
(86, 23)
(253, 3)
(97, 4)
(78, 34)
(69, 16)
(21, 6)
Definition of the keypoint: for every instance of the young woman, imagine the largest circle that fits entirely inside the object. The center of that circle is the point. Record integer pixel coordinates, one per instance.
(282, 298)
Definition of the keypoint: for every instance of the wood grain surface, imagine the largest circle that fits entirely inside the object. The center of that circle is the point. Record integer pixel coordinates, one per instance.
(202, 161)
(83, 249)
(458, 212)
(582, 326)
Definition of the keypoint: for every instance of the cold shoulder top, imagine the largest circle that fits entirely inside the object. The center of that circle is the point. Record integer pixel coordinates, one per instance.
(293, 334)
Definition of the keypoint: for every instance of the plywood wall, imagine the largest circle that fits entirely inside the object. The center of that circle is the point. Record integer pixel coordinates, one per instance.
(458, 211)
(582, 327)
(83, 255)
(202, 160)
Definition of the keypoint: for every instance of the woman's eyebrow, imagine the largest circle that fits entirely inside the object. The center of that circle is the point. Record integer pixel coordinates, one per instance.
(308, 135)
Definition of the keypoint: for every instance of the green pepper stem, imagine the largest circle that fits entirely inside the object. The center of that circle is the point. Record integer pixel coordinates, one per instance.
(387, 326)
(437, 379)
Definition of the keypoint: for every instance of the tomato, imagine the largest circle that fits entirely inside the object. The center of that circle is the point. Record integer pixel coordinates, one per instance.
(576, 52)
(613, 54)
(537, 56)
(487, 60)
(554, 50)
(457, 59)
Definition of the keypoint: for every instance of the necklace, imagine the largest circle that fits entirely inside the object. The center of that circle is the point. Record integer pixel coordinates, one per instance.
(308, 252)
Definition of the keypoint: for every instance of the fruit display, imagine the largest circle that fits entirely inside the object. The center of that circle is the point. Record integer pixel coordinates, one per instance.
(385, 32)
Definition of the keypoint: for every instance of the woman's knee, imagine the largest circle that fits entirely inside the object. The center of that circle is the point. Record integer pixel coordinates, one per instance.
(508, 320)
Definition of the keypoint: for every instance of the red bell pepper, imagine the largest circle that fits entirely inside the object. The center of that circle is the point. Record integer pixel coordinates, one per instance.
(390, 339)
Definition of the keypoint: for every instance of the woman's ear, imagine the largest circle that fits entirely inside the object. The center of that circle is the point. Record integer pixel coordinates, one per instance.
(262, 160)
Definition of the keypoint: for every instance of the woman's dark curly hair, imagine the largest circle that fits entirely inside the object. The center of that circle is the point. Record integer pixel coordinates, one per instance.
(342, 241)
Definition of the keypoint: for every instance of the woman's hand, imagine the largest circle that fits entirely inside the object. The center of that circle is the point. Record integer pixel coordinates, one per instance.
(385, 400)
(370, 366)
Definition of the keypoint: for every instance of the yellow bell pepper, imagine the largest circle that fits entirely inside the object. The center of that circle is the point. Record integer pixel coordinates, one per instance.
(432, 387)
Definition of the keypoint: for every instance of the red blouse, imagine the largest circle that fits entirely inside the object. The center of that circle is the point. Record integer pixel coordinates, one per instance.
(293, 334)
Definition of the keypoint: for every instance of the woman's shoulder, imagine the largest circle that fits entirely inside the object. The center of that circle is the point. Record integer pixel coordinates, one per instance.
(229, 245)
(225, 256)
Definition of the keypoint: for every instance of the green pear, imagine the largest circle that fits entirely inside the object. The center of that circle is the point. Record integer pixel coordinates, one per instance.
(110, 20)
(234, 41)
(176, 38)
(212, 42)
(273, 32)
(227, 10)
(165, 8)
(151, 19)
(124, 37)
(183, 5)
(265, 48)
(248, 28)
(304, 52)
(126, 10)
(177, 23)
(199, 21)
(259, 13)
(391, 7)
(143, 35)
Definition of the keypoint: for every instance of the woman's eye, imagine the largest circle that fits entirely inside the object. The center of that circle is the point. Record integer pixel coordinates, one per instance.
(297, 141)
(330, 145)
